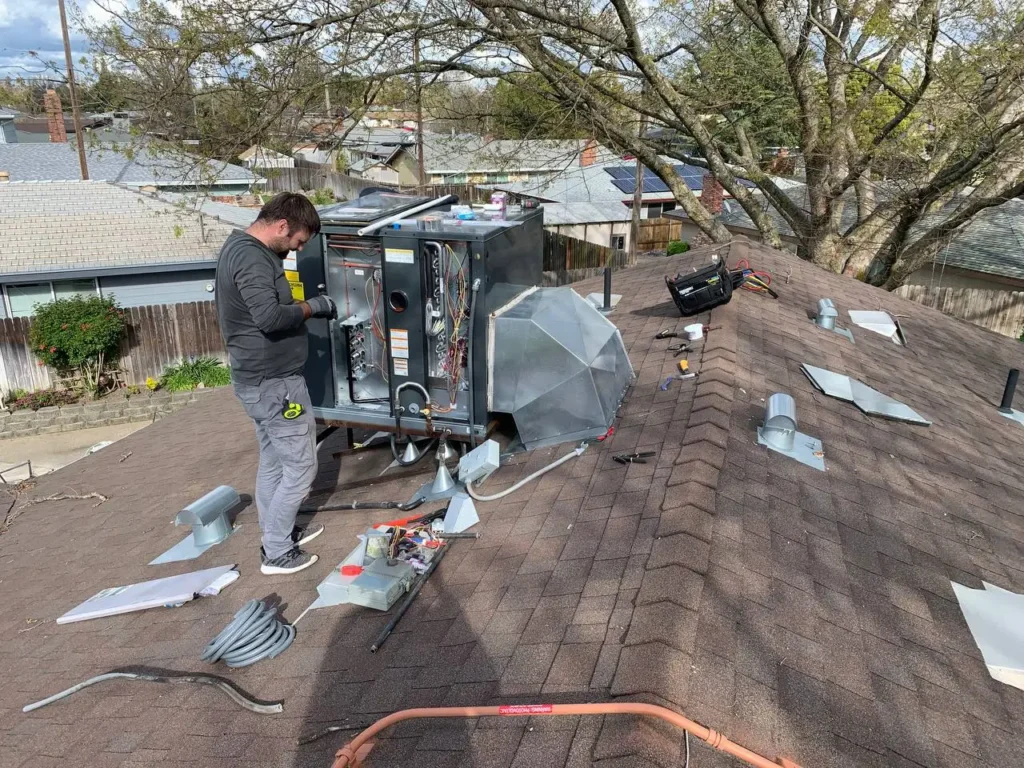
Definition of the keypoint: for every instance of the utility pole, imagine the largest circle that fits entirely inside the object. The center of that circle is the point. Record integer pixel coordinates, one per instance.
(327, 98)
(79, 137)
(638, 197)
(420, 160)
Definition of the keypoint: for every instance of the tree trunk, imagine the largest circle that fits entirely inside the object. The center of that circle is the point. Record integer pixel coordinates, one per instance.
(825, 249)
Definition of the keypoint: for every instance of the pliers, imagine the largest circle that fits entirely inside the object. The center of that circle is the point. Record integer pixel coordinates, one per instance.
(678, 349)
(633, 458)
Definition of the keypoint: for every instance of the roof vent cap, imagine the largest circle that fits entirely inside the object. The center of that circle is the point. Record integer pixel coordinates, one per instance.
(827, 314)
(779, 433)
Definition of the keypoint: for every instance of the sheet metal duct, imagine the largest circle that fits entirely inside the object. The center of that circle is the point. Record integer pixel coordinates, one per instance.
(557, 366)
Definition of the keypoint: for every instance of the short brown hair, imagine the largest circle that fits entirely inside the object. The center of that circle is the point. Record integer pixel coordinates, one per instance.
(296, 209)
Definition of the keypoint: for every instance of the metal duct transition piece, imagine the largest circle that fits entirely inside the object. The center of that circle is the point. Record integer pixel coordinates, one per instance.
(826, 318)
(557, 365)
(870, 401)
(1006, 405)
(208, 517)
(779, 433)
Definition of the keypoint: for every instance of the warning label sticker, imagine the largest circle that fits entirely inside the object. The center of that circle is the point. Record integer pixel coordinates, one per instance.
(399, 343)
(525, 709)
(401, 366)
(290, 261)
(399, 255)
(298, 292)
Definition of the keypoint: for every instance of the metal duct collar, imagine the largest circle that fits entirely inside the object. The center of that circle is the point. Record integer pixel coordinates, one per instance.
(827, 314)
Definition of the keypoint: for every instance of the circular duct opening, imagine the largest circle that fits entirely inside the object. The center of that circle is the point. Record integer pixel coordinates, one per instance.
(398, 301)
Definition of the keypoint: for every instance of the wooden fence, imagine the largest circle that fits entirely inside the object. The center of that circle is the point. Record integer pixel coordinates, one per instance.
(999, 311)
(655, 234)
(158, 336)
(563, 253)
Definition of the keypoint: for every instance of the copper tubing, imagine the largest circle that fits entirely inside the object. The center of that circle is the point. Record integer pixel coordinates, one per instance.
(351, 754)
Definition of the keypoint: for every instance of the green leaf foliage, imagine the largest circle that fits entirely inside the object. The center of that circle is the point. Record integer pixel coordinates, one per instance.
(189, 374)
(77, 332)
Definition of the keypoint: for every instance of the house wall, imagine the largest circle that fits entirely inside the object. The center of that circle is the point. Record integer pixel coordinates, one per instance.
(381, 173)
(159, 288)
(599, 233)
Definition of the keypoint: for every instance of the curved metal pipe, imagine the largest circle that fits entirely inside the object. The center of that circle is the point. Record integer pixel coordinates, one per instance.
(351, 755)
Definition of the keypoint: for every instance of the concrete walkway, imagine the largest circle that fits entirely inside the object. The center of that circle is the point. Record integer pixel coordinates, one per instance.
(53, 451)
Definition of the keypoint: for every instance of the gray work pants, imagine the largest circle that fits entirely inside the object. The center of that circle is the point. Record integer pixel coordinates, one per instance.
(287, 456)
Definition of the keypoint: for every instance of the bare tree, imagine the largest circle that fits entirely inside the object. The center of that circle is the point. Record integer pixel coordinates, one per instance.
(898, 108)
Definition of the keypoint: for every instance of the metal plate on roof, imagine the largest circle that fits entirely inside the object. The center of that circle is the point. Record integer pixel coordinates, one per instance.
(806, 449)
(1017, 416)
(832, 384)
(873, 402)
(878, 322)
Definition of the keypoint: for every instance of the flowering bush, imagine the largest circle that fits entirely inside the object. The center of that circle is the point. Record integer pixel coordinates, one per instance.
(79, 334)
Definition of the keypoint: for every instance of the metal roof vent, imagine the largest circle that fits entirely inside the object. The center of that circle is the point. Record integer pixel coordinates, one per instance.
(780, 435)
(1006, 406)
(208, 517)
(881, 323)
(870, 401)
(826, 318)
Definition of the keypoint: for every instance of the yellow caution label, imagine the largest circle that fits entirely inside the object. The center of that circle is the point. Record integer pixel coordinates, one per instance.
(298, 292)
(290, 276)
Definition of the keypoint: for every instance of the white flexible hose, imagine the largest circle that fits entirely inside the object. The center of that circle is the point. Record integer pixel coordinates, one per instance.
(529, 478)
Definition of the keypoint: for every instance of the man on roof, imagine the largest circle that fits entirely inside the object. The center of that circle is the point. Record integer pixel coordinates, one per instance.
(264, 330)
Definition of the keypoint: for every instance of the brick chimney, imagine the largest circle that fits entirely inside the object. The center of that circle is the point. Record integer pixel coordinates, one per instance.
(589, 154)
(712, 194)
(55, 118)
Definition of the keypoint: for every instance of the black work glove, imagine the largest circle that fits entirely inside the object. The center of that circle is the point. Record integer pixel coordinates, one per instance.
(322, 306)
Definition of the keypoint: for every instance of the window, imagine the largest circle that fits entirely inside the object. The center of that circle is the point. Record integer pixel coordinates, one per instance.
(618, 242)
(652, 210)
(68, 288)
(666, 207)
(25, 296)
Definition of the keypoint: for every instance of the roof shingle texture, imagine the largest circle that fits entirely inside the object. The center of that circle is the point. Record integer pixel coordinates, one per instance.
(802, 613)
(59, 162)
(81, 225)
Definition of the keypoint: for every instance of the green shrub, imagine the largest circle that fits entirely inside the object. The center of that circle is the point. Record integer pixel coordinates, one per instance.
(189, 374)
(323, 196)
(677, 246)
(43, 399)
(81, 333)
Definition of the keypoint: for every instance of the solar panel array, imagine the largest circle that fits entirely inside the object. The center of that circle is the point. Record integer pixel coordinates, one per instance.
(624, 178)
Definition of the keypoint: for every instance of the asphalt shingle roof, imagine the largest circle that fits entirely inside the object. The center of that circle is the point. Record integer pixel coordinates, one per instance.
(59, 162)
(86, 225)
(804, 614)
(585, 213)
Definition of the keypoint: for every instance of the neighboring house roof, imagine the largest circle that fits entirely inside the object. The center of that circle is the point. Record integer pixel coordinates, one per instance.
(589, 184)
(93, 226)
(261, 151)
(804, 614)
(585, 213)
(145, 167)
(459, 154)
(991, 243)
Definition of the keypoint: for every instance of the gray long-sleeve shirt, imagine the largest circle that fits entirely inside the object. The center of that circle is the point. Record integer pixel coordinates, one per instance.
(262, 325)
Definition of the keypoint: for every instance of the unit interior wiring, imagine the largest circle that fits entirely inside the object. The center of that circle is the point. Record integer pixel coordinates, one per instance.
(374, 290)
(452, 275)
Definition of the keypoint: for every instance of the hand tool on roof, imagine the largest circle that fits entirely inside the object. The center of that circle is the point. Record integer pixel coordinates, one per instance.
(633, 458)
(679, 348)
(667, 334)
(684, 366)
(664, 384)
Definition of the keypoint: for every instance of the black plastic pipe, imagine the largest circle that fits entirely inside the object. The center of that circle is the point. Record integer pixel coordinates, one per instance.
(607, 289)
(1011, 386)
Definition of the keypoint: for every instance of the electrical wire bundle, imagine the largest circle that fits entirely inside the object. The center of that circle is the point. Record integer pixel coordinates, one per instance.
(455, 308)
(376, 323)
(754, 280)
(253, 634)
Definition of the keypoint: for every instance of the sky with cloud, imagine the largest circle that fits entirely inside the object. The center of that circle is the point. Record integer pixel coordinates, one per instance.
(34, 25)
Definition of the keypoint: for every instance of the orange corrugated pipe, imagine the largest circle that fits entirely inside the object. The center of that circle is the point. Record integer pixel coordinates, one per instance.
(351, 755)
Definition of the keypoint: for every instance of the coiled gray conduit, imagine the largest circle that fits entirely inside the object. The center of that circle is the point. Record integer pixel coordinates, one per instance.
(254, 634)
